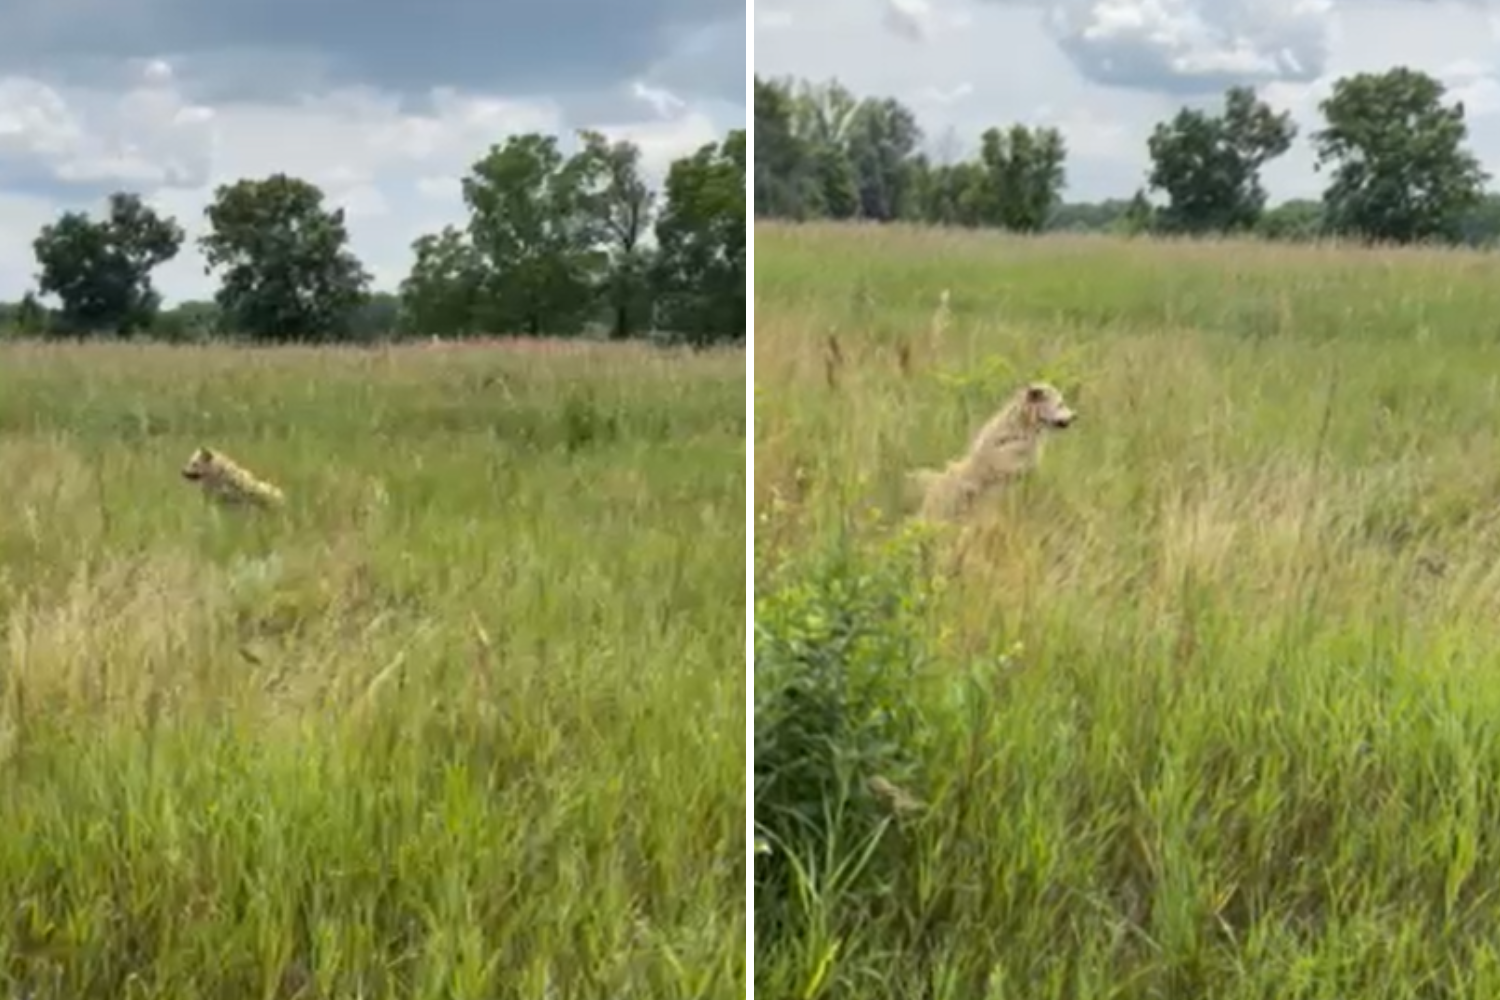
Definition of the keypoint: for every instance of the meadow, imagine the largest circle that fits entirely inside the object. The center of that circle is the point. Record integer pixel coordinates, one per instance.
(1208, 706)
(466, 719)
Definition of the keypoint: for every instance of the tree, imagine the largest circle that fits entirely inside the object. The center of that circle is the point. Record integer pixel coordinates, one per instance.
(823, 116)
(949, 194)
(26, 318)
(1138, 217)
(881, 139)
(624, 206)
(534, 220)
(288, 273)
(1480, 226)
(1209, 165)
(1109, 215)
(101, 270)
(787, 171)
(1295, 221)
(701, 236)
(1401, 170)
(190, 321)
(377, 318)
(836, 191)
(31, 317)
(1023, 176)
(441, 295)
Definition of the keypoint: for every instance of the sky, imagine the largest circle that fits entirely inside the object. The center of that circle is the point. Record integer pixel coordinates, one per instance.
(1105, 72)
(383, 103)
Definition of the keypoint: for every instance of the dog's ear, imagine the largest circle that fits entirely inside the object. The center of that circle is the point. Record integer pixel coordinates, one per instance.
(1036, 394)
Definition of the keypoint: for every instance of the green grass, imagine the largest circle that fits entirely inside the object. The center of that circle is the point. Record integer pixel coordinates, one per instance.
(465, 720)
(1208, 707)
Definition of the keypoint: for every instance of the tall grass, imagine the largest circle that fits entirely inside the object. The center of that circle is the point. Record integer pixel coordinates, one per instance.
(1208, 707)
(464, 721)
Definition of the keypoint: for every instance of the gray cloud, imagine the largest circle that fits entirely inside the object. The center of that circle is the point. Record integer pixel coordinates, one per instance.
(906, 19)
(519, 47)
(708, 61)
(1191, 47)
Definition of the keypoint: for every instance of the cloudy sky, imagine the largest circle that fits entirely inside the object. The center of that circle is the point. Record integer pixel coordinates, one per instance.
(1105, 71)
(383, 103)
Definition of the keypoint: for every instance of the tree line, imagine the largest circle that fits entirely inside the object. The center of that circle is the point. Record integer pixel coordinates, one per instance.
(555, 244)
(1393, 147)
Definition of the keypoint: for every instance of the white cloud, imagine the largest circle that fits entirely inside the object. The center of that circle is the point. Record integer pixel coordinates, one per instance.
(772, 19)
(395, 171)
(156, 71)
(659, 99)
(1473, 83)
(947, 95)
(148, 134)
(23, 216)
(35, 120)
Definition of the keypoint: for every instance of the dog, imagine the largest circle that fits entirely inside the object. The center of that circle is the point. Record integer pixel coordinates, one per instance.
(1007, 446)
(227, 483)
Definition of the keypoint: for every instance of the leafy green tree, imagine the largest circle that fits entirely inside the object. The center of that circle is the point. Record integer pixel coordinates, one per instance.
(31, 317)
(882, 137)
(101, 269)
(1104, 216)
(949, 194)
(836, 194)
(534, 220)
(1295, 221)
(787, 170)
(1480, 226)
(441, 296)
(624, 205)
(1138, 217)
(1023, 176)
(377, 318)
(26, 318)
(189, 322)
(1401, 169)
(701, 236)
(823, 121)
(824, 111)
(288, 272)
(1209, 165)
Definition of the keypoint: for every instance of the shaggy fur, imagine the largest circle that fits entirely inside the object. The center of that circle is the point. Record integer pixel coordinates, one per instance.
(1007, 446)
(224, 481)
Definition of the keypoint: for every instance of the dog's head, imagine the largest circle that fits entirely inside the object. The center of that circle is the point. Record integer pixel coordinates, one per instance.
(198, 465)
(1046, 407)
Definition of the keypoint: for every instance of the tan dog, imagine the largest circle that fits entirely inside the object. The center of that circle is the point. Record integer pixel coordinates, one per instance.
(1007, 446)
(228, 483)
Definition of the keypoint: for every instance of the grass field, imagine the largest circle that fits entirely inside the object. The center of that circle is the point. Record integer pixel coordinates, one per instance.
(467, 720)
(1210, 707)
